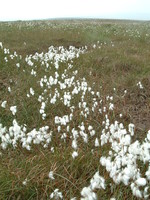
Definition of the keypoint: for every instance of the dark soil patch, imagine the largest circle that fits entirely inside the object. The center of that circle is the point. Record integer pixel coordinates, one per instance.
(137, 105)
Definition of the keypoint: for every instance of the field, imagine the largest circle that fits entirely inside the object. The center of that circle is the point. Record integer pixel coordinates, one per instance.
(75, 110)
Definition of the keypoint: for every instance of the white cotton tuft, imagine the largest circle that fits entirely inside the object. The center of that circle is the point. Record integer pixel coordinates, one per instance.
(51, 175)
(3, 104)
(56, 194)
(74, 154)
(88, 194)
(141, 182)
(96, 142)
(13, 109)
(25, 182)
(97, 182)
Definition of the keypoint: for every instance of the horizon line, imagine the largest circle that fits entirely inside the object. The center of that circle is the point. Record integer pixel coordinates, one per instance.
(78, 18)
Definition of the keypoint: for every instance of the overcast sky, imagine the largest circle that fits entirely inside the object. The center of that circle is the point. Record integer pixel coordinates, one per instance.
(43, 9)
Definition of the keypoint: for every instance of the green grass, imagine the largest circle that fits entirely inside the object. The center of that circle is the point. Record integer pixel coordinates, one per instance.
(121, 62)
